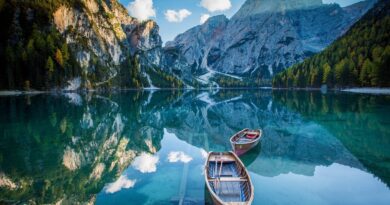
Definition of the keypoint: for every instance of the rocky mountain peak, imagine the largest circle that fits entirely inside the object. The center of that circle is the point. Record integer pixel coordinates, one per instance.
(215, 20)
(263, 38)
(252, 7)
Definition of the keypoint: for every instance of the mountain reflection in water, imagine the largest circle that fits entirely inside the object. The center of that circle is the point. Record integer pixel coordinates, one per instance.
(148, 147)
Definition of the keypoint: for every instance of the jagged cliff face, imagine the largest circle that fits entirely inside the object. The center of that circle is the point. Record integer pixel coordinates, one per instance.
(192, 45)
(78, 44)
(103, 32)
(264, 37)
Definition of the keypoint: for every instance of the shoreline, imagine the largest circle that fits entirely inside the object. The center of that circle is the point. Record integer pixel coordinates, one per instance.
(357, 90)
(367, 90)
(34, 92)
(19, 92)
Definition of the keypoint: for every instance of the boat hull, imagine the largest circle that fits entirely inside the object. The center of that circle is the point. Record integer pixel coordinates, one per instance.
(242, 148)
(217, 179)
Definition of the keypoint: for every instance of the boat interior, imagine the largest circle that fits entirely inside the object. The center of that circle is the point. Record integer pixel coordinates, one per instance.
(245, 137)
(227, 179)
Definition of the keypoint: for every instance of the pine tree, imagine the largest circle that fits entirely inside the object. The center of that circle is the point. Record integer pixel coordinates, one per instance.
(65, 52)
(50, 65)
(341, 72)
(59, 58)
(364, 77)
(10, 58)
(50, 45)
(375, 75)
(327, 76)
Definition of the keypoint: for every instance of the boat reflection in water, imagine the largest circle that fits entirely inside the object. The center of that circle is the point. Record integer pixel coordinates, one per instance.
(249, 157)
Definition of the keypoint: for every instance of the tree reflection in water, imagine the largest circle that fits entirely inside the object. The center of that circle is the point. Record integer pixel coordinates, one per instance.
(68, 148)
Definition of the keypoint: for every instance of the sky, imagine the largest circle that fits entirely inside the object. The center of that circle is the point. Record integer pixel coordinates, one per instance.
(177, 16)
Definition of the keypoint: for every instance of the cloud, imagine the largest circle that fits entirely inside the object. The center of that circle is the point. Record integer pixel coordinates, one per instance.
(122, 183)
(203, 18)
(178, 156)
(216, 5)
(145, 163)
(141, 9)
(177, 16)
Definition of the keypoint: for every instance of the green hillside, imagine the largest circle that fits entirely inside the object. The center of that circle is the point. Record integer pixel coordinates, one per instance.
(360, 58)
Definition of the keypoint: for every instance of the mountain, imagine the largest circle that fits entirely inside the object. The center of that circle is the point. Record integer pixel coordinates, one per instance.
(95, 44)
(77, 44)
(359, 58)
(263, 38)
(253, 7)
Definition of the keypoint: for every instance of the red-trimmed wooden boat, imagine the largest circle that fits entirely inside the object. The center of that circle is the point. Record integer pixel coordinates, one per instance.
(245, 140)
(228, 180)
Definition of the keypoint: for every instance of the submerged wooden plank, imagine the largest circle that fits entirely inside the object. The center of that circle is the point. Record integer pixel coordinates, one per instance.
(184, 178)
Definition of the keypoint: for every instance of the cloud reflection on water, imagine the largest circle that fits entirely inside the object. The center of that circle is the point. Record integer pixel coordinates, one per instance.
(146, 163)
(122, 183)
(178, 157)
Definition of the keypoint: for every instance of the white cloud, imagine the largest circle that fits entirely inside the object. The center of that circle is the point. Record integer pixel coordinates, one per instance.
(177, 16)
(141, 9)
(178, 156)
(146, 163)
(204, 18)
(216, 5)
(122, 183)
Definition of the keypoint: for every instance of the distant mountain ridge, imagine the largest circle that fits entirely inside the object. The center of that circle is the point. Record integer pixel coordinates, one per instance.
(361, 57)
(257, 43)
(253, 7)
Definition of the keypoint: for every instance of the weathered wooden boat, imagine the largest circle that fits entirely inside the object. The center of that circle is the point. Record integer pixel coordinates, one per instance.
(227, 179)
(245, 140)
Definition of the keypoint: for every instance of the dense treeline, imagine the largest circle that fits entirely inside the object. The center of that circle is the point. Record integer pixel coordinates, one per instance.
(245, 82)
(360, 58)
(32, 52)
(162, 79)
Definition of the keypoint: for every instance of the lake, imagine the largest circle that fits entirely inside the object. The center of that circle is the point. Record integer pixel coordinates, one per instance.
(149, 147)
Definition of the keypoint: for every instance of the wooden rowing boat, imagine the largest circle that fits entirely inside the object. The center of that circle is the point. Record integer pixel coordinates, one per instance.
(245, 140)
(227, 179)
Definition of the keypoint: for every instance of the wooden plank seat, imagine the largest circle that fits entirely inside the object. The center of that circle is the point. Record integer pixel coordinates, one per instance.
(229, 179)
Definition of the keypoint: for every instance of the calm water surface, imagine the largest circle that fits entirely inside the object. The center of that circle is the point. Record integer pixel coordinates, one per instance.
(150, 147)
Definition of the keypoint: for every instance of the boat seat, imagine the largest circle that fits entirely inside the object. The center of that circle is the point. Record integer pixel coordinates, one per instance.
(230, 191)
(229, 169)
(251, 136)
(230, 179)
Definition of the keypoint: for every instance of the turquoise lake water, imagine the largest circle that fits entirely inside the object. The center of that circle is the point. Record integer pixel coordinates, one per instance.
(149, 147)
